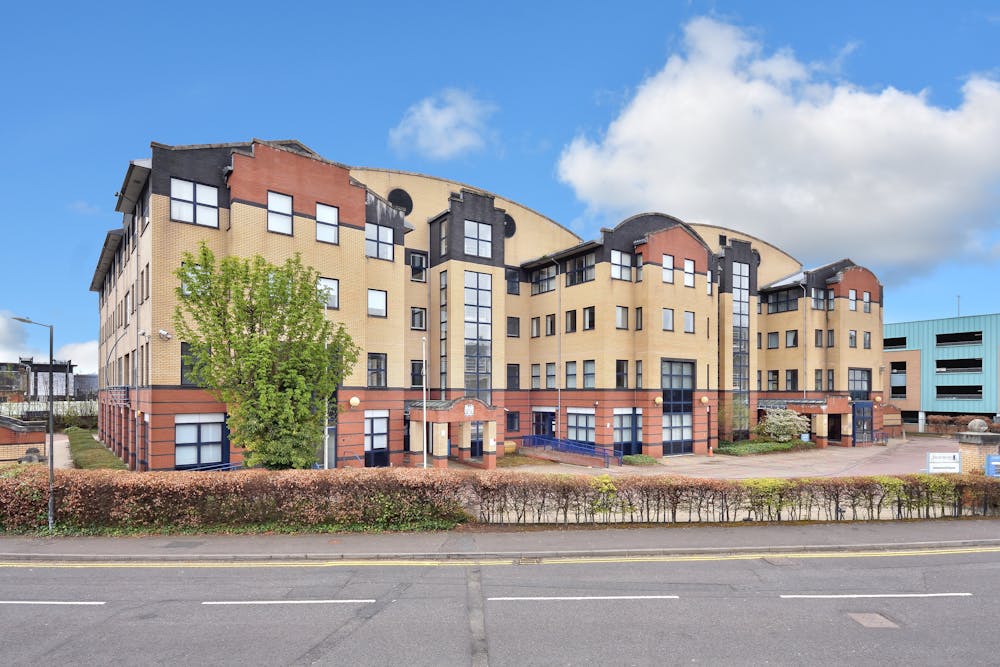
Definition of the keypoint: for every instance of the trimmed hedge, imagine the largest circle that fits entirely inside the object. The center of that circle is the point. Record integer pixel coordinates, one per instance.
(105, 500)
(752, 447)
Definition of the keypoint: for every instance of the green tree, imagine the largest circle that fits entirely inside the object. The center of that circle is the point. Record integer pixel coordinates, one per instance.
(259, 340)
(782, 425)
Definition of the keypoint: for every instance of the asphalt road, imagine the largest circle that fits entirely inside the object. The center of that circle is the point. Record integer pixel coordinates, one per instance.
(886, 608)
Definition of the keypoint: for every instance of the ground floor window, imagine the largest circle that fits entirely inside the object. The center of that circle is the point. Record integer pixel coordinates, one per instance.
(677, 381)
(628, 430)
(200, 440)
(376, 438)
(581, 426)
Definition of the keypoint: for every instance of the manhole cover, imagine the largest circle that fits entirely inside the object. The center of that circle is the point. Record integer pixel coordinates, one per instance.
(872, 620)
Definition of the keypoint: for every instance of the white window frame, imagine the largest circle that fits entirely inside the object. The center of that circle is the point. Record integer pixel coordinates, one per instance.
(379, 242)
(667, 319)
(327, 224)
(621, 265)
(330, 288)
(376, 430)
(196, 424)
(668, 269)
(688, 273)
(376, 296)
(621, 317)
(478, 239)
(279, 213)
(194, 203)
(689, 321)
(418, 318)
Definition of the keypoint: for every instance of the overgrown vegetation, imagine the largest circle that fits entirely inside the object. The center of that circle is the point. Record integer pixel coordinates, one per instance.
(89, 454)
(515, 460)
(259, 340)
(111, 502)
(750, 447)
(639, 460)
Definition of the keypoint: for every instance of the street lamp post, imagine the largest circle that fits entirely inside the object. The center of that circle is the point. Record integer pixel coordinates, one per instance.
(52, 437)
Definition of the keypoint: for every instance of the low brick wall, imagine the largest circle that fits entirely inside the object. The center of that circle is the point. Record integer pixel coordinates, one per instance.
(12, 452)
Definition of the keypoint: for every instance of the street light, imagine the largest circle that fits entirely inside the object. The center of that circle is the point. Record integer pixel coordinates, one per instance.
(52, 436)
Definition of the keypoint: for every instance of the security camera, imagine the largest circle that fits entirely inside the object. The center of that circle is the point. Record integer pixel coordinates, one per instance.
(142, 332)
(164, 334)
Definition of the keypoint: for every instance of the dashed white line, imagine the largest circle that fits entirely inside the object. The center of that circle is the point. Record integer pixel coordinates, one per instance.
(264, 602)
(877, 595)
(54, 602)
(583, 597)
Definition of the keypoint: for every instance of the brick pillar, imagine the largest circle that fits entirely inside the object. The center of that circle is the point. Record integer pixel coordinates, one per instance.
(464, 441)
(439, 438)
(490, 445)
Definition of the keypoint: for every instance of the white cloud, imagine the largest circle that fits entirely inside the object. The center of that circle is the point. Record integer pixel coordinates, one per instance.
(444, 126)
(729, 135)
(83, 355)
(14, 345)
(84, 208)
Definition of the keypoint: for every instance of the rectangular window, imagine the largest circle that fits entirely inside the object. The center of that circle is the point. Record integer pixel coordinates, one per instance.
(513, 422)
(792, 338)
(688, 273)
(818, 380)
(199, 439)
(708, 282)
(128, 308)
(536, 376)
(327, 223)
(513, 327)
(513, 376)
(621, 317)
(418, 267)
(588, 318)
(416, 373)
(377, 303)
(329, 290)
(621, 374)
(581, 425)
(829, 380)
(668, 319)
(279, 213)
(543, 280)
(513, 281)
(758, 381)
(867, 298)
(580, 270)
(772, 380)
(378, 241)
(867, 340)
(782, 301)
(376, 430)
(194, 203)
(589, 374)
(688, 321)
(852, 338)
(418, 318)
(638, 318)
(621, 265)
(894, 343)
(829, 337)
(188, 377)
(859, 384)
(550, 376)
(570, 375)
(819, 338)
(852, 299)
(478, 239)
(759, 336)
(772, 340)
(668, 268)
(550, 324)
(570, 321)
(536, 327)
(443, 238)
(638, 373)
(791, 380)
(377, 369)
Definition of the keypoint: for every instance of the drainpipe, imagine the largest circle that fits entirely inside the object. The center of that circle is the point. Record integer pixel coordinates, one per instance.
(559, 334)
(805, 335)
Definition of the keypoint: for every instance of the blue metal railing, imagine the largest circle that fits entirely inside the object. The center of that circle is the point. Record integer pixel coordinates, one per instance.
(549, 443)
(215, 467)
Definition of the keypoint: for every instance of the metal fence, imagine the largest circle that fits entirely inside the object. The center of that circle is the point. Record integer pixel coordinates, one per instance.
(60, 408)
(549, 443)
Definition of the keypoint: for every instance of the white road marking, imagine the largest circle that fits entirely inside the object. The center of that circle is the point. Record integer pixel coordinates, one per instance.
(51, 602)
(877, 595)
(584, 597)
(262, 602)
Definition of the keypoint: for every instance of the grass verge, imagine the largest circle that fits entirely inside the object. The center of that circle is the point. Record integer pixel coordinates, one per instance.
(515, 460)
(89, 454)
(639, 460)
(753, 447)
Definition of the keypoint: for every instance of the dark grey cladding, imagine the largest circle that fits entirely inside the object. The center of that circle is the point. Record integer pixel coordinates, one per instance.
(203, 165)
(737, 251)
(468, 205)
(624, 236)
(380, 212)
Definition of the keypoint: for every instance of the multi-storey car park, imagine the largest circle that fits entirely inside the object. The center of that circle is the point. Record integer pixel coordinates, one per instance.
(660, 337)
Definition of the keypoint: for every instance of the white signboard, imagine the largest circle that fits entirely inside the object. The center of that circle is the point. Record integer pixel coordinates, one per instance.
(944, 462)
(470, 409)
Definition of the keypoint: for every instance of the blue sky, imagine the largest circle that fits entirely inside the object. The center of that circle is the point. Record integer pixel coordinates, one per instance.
(859, 129)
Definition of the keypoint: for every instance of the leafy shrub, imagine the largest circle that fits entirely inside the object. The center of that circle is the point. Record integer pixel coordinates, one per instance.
(782, 425)
(638, 460)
